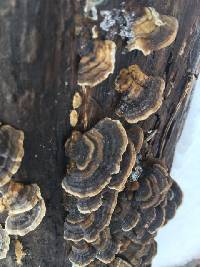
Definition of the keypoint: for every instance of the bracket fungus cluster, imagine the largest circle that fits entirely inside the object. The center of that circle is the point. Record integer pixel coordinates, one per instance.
(112, 219)
(22, 204)
(116, 199)
(141, 95)
(143, 28)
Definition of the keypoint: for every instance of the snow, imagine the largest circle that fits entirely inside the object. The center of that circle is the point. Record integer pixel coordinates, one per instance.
(179, 241)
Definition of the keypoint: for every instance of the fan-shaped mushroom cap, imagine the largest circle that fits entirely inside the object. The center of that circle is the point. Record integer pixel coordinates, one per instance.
(141, 95)
(23, 223)
(174, 200)
(150, 252)
(11, 152)
(18, 198)
(89, 204)
(106, 247)
(96, 66)
(153, 31)
(4, 243)
(119, 180)
(137, 253)
(154, 184)
(92, 224)
(82, 254)
(98, 164)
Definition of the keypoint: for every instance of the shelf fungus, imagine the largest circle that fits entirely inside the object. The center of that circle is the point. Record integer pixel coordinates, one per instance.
(4, 243)
(25, 222)
(11, 152)
(96, 66)
(141, 95)
(152, 31)
(104, 249)
(88, 226)
(23, 205)
(136, 220)
(142, 27)
(95, 156)
(18, 198)
(110, 216)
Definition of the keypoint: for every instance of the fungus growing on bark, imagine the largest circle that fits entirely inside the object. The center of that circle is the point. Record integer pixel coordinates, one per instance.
(77, 100)
(152, 31)
(82, 253)
(23, 223)
(4, 243)
(96, 66)
(141, 212)
(141, 95)
(95, 156)
(89, 227)
(174, 200)
(73, 118)
(89, 204)
(18, 198)
(104, 249)
(11, 152)
(119, 180)
(142, 27)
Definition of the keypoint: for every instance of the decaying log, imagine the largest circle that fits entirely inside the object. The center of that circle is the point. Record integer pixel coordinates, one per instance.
(38, 78)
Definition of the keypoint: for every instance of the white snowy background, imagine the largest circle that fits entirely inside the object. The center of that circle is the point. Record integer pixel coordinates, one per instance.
(179, 241)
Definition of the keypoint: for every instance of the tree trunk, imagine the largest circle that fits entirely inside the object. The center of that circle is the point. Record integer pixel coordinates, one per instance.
(38, 77)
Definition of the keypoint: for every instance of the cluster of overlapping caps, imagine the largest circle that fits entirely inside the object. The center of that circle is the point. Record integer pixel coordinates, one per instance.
(110, 213)
(117, 201)
(22, 205)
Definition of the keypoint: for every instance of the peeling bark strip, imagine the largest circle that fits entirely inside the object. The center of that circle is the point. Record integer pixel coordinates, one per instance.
(38, 79)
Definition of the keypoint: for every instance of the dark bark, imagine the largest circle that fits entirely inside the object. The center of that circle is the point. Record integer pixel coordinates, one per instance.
(38, 74)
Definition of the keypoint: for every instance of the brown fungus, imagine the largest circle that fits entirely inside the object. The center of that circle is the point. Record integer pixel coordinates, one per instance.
(138, 218)
(174, 200)
(152, 31)
(82, 254)
(92, 224)
(119, 180)
(106, 247)
(11, 152)
(96, 66)
(141, 95)
(23, 223)
(4, 243)
(94, 162)
(17, 197)
(89, 204)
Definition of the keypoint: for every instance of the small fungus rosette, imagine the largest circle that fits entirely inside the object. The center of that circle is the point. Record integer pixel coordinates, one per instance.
(96, 66)
(140, 95)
